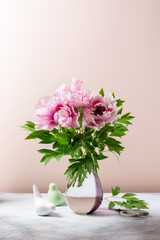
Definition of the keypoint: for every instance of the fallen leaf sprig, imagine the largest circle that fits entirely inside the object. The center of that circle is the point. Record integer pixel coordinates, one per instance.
(128, 200)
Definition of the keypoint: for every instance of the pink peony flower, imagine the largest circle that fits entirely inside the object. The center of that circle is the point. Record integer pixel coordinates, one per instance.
(67, 117)
(101, 110)
(62, 108)
(73, 96)
(51, 112)
(44, 114)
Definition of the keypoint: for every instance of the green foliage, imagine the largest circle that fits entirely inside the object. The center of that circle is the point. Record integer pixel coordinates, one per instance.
(80, 119)
(85, 148)
(101, 92)
(125, 119)
(119, 102)
(128, 195)
(115, 191)
(113, 94)
(29, 126)
(111, 204)
(131, 201)
(120, 111)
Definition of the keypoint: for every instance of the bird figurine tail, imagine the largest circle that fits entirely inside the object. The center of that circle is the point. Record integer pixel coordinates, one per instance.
(36, 192)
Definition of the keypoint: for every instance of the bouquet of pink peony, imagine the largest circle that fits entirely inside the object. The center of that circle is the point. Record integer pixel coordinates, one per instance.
(81, 124)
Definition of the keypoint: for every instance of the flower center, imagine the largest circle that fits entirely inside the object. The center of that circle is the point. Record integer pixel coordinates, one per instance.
(99, 110)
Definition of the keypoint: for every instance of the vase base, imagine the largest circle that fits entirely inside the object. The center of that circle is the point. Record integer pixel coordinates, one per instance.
(84, 205)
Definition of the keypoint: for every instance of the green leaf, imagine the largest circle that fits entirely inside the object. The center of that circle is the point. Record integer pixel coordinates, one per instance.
(135, 203)
(46, 151)
(95, 142)
(59, 156)
(56, 145)
(79, 151)
(128, 195)
(111, 204)
(80, 119)
(116, 191)
(51, 154)
(119, 102)
(127, 116)
(30, 124)
(113, 94)
(48, 140)
(61, 138)
(75, 172)
(121, 126)
(114, 145)
(117, 133)
(103, 132)
(125, 119)
(119, 130)
(119, 111)
(89, 166)
(101, 92)
(118, 203)
(101, 146)
(46, 159)
(101, 156)
(27, 128)
(42, 134)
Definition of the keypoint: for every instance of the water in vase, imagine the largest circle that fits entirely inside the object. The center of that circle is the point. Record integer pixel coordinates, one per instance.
(86, 198)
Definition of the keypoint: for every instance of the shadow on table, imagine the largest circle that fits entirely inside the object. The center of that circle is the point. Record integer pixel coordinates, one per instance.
(3, 200)
(112, 212)
(105, 212)
(6, 200)
(54, 214)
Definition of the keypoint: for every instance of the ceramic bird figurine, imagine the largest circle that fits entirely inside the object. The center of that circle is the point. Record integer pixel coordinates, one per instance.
(42, 206)
(55, 196)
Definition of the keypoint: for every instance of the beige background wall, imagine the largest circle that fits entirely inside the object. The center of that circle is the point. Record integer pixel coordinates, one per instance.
(110, 44)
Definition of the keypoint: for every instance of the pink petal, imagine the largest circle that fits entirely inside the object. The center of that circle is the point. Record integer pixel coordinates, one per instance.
(76, 84)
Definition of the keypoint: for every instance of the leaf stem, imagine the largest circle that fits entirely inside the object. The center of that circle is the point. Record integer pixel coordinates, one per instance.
(111, 197)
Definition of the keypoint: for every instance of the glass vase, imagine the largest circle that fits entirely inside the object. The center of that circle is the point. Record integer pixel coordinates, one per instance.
(86, 198)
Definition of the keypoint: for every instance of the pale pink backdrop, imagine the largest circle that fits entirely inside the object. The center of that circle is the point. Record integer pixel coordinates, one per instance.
(110, 44)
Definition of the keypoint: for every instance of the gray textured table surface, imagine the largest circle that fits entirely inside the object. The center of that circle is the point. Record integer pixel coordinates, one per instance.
(19, 221)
